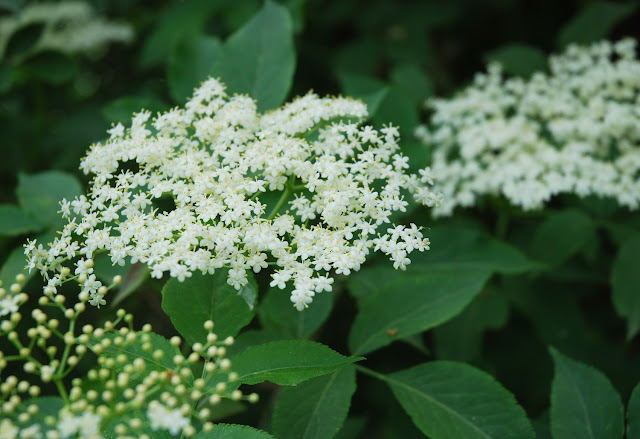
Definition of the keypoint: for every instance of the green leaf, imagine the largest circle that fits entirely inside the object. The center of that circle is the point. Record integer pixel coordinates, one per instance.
(177, 21)
(602, 208)
(288, 362)
(453, 248)
(230, 431)
(633, 414)
(298, 11)
(619, 232)
(456, 246)
(625, 278)
(584, 404)
(47, 406)
(249, 339)
(541, 426)
(412, 304)
(413, 82)
(16, 262)
(518, 59)
(563, 324)
(420, 157)
(135, 350)
(277, 314)
(460, 338)
(361, 56)
(315, 409)
(594, 22)
(40, 194)
(50, 66)
(121, 109)
(561, 235)
(437, 285)
(352, 428)
(12, 6)
(208, 297)
(398, 109)
(227, 407)
(454, 400)
(132, 277)
(369, 90)
(259, 58)
(105, 270)
(14, 221)
(7, 74)
(22, 41)
(190, 63)
(151, 433)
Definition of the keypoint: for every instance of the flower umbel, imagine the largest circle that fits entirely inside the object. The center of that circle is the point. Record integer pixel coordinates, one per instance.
(574, 130)
(303, 188)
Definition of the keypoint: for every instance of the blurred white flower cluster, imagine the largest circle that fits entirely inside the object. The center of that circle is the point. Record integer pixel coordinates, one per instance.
(68, 26)
(574, 130)
(304, 188)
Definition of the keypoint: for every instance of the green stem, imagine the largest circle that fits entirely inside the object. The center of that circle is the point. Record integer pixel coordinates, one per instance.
(67, 350)
(62, 391)
(61, 373)
(203, 375)
(288, 190)
(18, 344)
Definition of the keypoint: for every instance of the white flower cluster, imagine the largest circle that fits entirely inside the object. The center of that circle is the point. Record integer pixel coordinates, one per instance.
(85, 426)
(161, 417)
(69, 26)
(574, 130)
(299, 188)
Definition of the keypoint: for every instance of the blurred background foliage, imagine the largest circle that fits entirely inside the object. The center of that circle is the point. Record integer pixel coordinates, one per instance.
(393, 55)
(404, 51)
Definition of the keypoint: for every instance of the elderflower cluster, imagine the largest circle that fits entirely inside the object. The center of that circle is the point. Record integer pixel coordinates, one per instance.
(303, 188)
(573, 130)
(142, 383)
(68, 26)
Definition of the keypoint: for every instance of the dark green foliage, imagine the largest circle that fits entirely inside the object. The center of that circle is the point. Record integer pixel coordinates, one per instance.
(208, 297)
(583, 402)
(458, 344)
(447, 399)
(297, 415)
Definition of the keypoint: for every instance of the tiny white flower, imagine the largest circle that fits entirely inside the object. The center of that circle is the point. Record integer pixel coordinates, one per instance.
(31, 432)
(163, 418)
(8, 430)
(9, 305)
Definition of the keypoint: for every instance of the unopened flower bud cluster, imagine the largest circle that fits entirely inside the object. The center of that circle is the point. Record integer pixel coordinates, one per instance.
(574, 130)
(142, 382)
(68, 26)
(304, 188)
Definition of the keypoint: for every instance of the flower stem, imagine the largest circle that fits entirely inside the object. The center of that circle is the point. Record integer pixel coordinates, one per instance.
(288, 190)
(61, 390)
